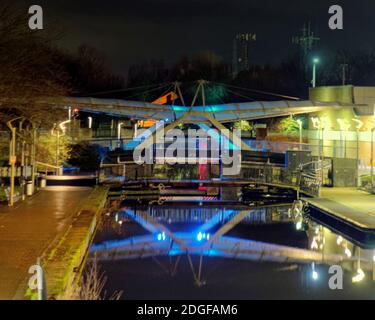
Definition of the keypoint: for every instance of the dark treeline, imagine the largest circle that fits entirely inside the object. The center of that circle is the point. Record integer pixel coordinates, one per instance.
(360, 68)
(32, 66)
(292, 77)
(89, 71)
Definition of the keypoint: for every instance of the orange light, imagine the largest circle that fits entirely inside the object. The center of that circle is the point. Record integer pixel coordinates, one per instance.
(146, 123)
(170, 96)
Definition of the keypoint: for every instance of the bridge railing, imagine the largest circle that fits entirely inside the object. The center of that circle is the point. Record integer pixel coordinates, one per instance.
(310, 184)
(307, 180)
(46, 167)
(268, 174)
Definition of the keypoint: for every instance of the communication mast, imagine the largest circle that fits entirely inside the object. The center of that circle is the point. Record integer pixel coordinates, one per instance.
(242, 45)
(307, 41)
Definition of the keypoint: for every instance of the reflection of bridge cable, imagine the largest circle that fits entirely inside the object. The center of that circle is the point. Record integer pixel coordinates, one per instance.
(155, 259)
(260, 92)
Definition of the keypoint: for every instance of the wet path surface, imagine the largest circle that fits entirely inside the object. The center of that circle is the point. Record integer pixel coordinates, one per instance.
(28, 229)
(355, 206)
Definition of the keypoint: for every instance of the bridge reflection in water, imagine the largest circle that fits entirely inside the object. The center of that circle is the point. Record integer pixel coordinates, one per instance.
(206, 235)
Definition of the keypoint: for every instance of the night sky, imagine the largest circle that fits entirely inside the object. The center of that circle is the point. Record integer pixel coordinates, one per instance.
(137, 31)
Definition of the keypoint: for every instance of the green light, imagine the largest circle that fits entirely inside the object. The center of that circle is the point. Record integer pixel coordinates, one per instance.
(316, 60)
(213, 108)
(179, 108)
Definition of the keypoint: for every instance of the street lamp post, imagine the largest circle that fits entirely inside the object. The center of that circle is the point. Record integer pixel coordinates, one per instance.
(119, 125)
(33, 157)
(299, 121)
(322, 154)
(318, 125)
(89, 119)
(119, 131)
(315, 62)
(12, 159)
(358, 127)
(372, 159)
(61, 127)
(357, 157)
(344, 127)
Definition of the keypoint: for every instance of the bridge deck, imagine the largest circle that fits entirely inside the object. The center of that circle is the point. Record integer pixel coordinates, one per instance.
(348, 205)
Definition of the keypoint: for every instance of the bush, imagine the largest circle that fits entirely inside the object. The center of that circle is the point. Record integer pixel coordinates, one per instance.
(86, 156)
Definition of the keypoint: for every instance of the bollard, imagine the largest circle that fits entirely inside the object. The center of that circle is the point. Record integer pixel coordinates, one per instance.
(29, 188)
(42, 289)
(43, 183)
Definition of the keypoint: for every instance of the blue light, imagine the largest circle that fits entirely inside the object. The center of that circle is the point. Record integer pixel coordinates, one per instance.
(203, 236)
(161, 236)
(200, 236)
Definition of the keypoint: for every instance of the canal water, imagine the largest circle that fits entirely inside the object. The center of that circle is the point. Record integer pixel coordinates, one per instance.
(246, 253)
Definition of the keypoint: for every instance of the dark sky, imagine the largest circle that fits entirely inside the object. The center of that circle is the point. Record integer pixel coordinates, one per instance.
(135, 31)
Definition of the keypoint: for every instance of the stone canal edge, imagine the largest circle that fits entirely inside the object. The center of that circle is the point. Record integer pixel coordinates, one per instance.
(64, 259)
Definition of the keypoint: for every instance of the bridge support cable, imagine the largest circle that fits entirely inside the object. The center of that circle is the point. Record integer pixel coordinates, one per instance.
(177, 90)
(261, 92)
(175, 266)
(200, 88)
(147, 89)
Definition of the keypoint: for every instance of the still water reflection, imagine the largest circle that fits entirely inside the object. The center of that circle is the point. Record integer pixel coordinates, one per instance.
(195, 252)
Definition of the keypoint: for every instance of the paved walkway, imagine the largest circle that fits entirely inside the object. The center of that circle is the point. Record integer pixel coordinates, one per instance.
(355, 206)
(28, 229)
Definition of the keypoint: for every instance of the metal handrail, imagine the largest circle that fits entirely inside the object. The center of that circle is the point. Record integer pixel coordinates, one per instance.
(47, 165)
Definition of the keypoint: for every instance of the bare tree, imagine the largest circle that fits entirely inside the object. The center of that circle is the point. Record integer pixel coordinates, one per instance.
(28, 68)
(91, 73)
(92, 284)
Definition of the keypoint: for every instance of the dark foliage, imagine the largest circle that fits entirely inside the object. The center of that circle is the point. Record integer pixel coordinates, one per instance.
(85, 156)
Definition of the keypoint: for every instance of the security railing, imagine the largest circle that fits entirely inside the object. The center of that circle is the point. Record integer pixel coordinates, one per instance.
(46, 168)
(306, 179)
(25, 171)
